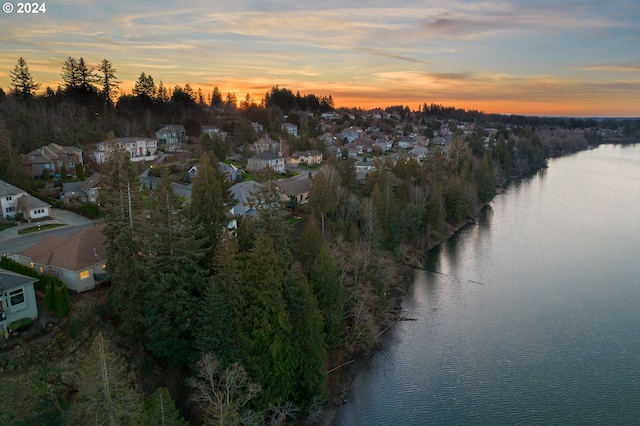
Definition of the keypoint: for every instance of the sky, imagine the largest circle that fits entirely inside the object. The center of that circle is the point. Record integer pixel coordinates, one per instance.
(550, 58)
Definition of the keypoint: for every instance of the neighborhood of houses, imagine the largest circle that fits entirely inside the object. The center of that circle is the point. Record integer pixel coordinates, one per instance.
(80, 259)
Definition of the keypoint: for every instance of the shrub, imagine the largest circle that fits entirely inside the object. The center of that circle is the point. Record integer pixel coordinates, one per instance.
(21, 323)
(61, 299)
(49, 298)
(92, 211)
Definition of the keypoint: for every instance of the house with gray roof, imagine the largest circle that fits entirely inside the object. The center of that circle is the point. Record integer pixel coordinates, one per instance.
(266, 159)
(53, 157)
(16, 202)
(172, 134)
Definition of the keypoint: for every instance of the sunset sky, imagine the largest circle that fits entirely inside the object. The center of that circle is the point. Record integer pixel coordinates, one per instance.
(559, 58)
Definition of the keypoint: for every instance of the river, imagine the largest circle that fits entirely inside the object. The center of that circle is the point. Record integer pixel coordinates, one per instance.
(535, 315)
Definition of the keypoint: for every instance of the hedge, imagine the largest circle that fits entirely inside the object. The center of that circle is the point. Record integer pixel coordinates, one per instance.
(61, 303)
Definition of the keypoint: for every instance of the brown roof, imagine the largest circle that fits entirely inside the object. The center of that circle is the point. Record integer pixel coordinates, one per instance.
(78, 251)
(295, 186)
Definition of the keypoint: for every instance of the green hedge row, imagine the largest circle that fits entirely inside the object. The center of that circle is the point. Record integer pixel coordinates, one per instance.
(56, 295)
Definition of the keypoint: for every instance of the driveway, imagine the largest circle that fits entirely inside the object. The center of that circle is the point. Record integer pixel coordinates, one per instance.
(12, 242)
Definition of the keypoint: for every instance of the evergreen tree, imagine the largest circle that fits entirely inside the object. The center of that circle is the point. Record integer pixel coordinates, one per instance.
(175, 283)
(108, 81)
(322, 199)
(310, 242)
(210, 202)
(11, 169)
(456, 200)
(106, 394)
(435, 216)
(216, 97)
(214, 329)
(79, 171)
(307, 340)
(122, 207)
(22, 84)
(160, 409)
(264, 326)
(269, 205)
(325, 281)
(144, 87)
(162, 94)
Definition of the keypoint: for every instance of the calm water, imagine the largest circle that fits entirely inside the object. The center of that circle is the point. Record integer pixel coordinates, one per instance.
(537, 320)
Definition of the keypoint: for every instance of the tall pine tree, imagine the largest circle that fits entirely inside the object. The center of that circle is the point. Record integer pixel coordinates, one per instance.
(176, 281)
(121, 203)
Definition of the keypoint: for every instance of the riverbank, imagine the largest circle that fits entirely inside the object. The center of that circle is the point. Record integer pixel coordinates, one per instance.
(339, 381)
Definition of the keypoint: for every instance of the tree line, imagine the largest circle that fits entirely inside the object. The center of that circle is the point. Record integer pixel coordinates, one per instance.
(88, 103)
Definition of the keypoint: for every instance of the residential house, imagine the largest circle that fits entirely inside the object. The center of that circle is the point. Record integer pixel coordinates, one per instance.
(172, 134)
(214, 131)
(297, 188)
(404, 143)
(53, 157)
(383, 144)
(257, 127)
(419, 152)
(266, 144)
(231, 171)
(140, 149)
(350, 134)
(17, 298)
(243, 193)
(266, 159)
(310, 157)
(82, 192)
(290, 128)
(15, 202)
(331, 115)
(79, 260)
(328, 139)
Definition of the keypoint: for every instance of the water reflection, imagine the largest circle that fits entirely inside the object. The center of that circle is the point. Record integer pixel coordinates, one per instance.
(553, 335)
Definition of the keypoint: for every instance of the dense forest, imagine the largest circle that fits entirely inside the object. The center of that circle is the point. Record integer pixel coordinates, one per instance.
(252, 320)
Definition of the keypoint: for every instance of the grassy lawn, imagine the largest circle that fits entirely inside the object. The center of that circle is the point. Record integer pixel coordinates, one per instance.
(293, 220)
(42, 228)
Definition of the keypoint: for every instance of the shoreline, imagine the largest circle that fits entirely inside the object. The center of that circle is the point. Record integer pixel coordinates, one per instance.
(339, 386)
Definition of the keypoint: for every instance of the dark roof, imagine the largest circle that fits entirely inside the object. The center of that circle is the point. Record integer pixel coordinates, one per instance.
(92, 182)
(266, 156)
(295, 186)
(9, 280)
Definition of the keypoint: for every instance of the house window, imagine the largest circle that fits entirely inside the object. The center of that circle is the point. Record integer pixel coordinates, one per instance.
(10, 209)
(84, 275)
(8, 198)
(41, 270)
(16, 297)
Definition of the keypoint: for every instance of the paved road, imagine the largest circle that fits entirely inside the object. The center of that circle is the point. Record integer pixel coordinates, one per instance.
(11, 242)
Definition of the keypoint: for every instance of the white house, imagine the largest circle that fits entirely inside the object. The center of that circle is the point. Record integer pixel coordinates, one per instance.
(79, 260)
(214, 131)
(17, 298)
(15, 201)
(140, 149)
(290, 128)
(264, 160)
